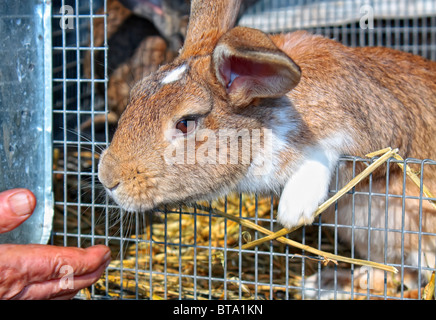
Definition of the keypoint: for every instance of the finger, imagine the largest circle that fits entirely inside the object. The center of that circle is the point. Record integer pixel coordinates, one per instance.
(16, 206)
(59, 289)
(68, 296)
(23, 265)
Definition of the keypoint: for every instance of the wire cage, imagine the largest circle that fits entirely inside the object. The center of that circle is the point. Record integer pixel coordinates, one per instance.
(195, 252)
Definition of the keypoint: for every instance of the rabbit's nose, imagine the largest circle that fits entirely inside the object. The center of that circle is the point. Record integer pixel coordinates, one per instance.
(108, 171)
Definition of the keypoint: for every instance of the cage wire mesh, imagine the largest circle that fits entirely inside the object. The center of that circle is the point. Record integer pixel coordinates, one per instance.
(191, 252)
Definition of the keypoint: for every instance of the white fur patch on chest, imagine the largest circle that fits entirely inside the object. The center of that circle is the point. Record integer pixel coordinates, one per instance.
(175, 74)
(262, 175)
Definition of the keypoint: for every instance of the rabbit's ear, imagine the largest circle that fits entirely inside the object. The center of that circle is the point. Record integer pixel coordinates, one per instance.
(250, 66)
(208, 21)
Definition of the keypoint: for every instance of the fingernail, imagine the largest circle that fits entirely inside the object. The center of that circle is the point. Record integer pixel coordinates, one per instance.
(20, 203)
(107, 263)
(107, 258)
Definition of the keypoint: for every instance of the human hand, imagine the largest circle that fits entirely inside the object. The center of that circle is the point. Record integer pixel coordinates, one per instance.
(34, 271)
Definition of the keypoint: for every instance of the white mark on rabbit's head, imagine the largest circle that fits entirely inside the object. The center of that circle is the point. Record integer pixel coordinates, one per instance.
(175, 74)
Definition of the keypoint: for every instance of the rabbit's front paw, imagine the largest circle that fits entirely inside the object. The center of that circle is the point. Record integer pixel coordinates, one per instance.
(306, 189)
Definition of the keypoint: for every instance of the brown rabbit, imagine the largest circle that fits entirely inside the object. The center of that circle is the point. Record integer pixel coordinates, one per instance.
(292, 103)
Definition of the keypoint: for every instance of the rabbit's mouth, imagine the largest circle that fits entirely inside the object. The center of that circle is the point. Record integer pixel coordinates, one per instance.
(131, 199)
(137, 195)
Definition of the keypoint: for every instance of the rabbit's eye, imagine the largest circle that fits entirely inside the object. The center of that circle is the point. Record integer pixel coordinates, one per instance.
(186, 126)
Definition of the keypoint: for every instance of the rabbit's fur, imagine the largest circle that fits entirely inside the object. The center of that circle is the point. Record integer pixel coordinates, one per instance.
(136, 49)
(309, 98)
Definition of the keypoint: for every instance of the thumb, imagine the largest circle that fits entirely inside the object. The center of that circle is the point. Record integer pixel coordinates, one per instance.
(16, 206)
